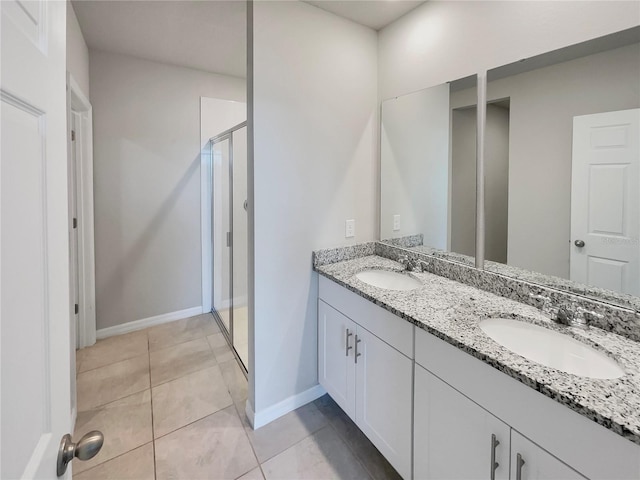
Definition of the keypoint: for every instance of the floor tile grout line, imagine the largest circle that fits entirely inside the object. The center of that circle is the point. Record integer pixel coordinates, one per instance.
(193, 421)
(186, 374)
(248, 440)
(204, 335)
(153, 432)
(96, 407)
(113, 458)
(110, 364)
(353, 452)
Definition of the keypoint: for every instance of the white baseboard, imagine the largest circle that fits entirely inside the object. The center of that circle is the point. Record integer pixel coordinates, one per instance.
(268, 415)
(147, 322)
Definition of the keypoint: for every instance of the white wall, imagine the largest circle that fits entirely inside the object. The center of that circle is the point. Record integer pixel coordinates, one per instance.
(444, 40)
(414, 165)
(77, 52)
(147, 184)
(314, 166)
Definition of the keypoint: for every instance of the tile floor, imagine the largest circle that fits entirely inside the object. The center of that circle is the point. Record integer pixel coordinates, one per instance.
(170, 401)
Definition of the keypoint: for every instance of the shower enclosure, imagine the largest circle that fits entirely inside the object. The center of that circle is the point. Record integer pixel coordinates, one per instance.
(229, 237)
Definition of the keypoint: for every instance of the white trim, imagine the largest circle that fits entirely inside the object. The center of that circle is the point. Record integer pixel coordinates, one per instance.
(148, 322)
(74, 417)
(78, 103)
(268, 415)
(206, 192)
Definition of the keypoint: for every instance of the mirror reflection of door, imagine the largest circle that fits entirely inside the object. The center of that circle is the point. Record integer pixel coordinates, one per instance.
(571, 171)
(605, 201)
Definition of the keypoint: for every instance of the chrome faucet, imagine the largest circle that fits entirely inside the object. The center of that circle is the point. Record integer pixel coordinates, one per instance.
(574, 316)
(582, 317)
(413, 265)
(404, 260)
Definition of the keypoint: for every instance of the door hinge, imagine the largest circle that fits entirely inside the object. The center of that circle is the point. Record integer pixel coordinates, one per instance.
(73, 135)
(228, 239)
(75, 223)
(76, 308)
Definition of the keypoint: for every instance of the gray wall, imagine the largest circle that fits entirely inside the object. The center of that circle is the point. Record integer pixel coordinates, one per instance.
(440, 41)
(147, 184)
(496, 203)
(543, 104)
(77, 52)
(414, 165)
(463, 180)
(314, 108)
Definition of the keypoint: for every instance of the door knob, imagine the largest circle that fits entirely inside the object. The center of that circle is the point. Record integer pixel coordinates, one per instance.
(579, 243)
(87, 448)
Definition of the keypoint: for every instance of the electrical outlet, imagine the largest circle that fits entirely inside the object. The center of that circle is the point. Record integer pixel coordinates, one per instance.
(396, 223)
(350, 228)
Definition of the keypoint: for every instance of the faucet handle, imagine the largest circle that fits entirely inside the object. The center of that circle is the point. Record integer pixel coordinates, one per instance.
(582, 315)
(547, 306)
(539, 297)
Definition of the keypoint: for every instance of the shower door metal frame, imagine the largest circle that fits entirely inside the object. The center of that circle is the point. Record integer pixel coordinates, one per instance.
(228, 334)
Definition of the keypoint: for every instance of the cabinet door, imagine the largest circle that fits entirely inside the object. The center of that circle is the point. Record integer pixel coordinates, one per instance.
(453, 435)
(336, 366)
(383, 399)
(538, 463)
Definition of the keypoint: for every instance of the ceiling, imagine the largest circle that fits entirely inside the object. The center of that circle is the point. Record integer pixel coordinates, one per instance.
(375, 14)
(206, 35)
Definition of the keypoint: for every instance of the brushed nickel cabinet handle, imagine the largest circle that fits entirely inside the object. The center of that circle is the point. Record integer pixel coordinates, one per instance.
(347, 348)
(494, 465)
(357, 354)
(519, 464)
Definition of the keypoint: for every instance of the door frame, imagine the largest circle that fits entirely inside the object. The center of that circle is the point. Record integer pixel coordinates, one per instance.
(78, 103)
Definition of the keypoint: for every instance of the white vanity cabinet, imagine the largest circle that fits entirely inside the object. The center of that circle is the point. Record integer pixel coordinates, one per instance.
(474, 399)
(336, 367)
(371, 376)
(530, 462)
(453, 437)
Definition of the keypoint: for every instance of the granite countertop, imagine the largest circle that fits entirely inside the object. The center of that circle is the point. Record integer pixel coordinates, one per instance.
(452, 311)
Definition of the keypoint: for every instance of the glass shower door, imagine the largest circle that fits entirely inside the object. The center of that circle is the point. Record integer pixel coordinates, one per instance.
(221, 222)
(240, 248)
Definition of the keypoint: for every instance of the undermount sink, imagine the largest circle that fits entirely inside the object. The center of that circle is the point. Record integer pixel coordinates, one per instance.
(551, 348)
(388, 280)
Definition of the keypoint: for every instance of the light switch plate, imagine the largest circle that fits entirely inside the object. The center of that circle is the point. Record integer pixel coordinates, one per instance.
(349, 228)
(396, 223)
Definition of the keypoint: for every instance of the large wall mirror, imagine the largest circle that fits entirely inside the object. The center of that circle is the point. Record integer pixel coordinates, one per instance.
(562, 162)
(428, 169)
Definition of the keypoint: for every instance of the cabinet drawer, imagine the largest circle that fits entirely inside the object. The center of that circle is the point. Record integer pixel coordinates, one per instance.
(392, 329)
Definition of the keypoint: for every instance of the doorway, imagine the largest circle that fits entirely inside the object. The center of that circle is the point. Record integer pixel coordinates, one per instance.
(230, 237)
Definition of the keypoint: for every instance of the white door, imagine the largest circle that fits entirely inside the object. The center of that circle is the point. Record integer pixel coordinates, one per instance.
(384, 379)
(605, 201)
(530, 462)
(455, 438)
(336, 368)
(34, 241)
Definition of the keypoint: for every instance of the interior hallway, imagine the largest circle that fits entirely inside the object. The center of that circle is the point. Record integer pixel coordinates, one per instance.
(170, 401)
